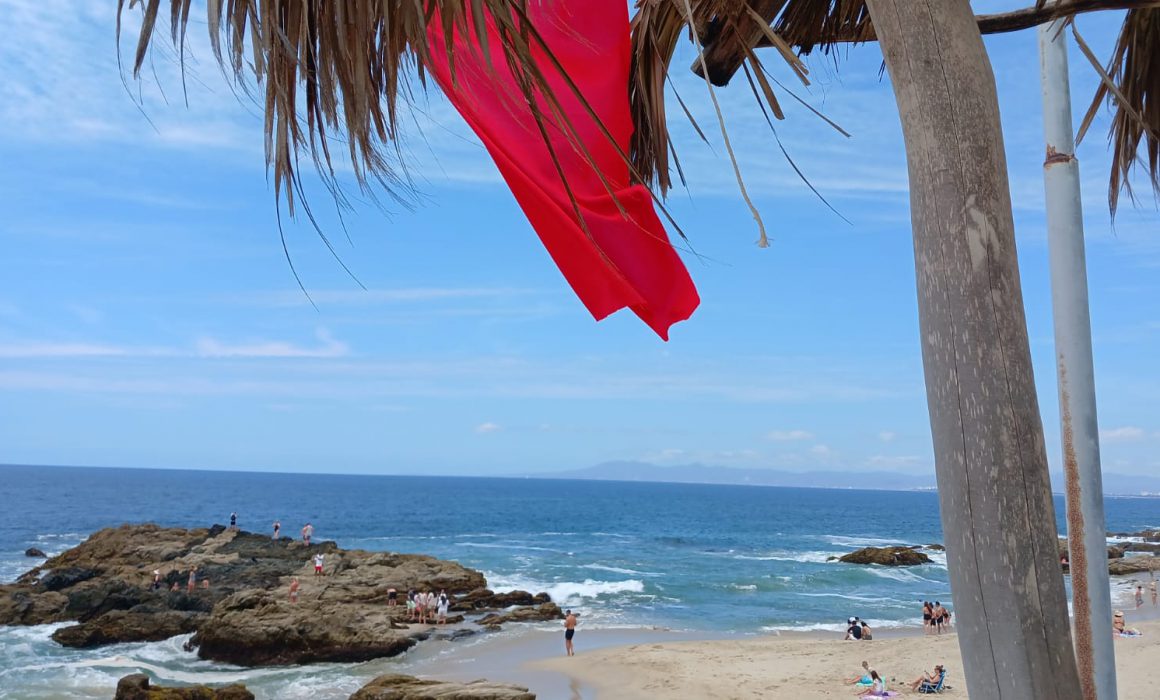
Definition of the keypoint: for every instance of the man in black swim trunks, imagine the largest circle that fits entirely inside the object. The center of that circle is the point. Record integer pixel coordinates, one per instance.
(569, 632)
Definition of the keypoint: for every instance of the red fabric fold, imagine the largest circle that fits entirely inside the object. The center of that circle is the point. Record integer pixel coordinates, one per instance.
(623, 260)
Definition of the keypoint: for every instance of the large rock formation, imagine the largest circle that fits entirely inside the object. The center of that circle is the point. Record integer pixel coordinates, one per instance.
(886, 556)
(136, 687)
(1133, 565)
(245, 615)
(400, 687)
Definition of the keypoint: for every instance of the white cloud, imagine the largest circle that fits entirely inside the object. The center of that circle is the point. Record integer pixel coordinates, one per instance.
(1122, 434)
(485, 428)
(887, 436)
(209, 347)
(789, 435)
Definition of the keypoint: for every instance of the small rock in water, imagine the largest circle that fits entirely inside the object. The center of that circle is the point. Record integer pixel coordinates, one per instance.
(34, 552)
(396, 686)
(136, 687)
(886, 556)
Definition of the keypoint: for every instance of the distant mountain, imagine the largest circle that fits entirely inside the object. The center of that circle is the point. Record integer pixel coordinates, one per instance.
(1114, 484)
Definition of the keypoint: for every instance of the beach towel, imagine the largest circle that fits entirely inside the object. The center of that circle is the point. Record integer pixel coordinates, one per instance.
(616, 259)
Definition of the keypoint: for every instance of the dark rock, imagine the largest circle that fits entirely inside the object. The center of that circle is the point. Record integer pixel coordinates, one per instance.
(935, 547)
(121, 626)
(34, 552)
(399, 687)
(455, 634)
(886, 556)
(539, 613)
(61, 579)
(137, 687)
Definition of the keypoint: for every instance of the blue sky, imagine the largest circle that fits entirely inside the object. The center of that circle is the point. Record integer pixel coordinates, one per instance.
(148, 317)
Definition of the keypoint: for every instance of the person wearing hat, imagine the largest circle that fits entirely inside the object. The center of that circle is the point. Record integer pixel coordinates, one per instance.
(853, 629)
(1118, 628)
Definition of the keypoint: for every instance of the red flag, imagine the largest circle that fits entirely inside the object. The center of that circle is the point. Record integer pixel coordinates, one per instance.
(624, 259)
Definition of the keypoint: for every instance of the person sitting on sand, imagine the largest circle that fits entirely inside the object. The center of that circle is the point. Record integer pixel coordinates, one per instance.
(862, 678)
(867, 633)
(877, 687)
(1118, 628)
(931, 678)
(853, 629)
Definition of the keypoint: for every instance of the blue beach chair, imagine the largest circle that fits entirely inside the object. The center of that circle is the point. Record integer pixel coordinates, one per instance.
(928, 687)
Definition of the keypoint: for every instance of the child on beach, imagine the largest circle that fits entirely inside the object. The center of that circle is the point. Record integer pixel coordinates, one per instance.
(862, 678)
(877, 687)
(294, 589)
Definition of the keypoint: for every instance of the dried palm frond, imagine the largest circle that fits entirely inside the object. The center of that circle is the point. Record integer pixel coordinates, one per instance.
(1131, 83)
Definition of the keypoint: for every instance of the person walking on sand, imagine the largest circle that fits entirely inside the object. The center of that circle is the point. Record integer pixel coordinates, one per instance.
(192, 584)
(277, 529)
(318, 561)
(307, 533)
(294, 589)
(569, 632)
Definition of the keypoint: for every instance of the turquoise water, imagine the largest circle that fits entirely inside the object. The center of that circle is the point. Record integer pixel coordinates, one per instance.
(705, 558)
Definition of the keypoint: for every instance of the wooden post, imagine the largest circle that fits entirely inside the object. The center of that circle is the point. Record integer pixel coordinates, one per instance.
(994, 491)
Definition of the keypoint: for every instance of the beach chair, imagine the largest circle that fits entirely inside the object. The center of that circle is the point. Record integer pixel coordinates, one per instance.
(928, 687)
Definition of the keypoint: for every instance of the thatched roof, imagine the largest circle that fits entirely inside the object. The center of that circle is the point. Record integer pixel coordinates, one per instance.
(336, 73)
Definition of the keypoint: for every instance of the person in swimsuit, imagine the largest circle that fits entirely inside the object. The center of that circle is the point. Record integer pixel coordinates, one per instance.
(864, 677)
(937, 616)
(867, 633)
(392, 597)
(277, 529)
(569, 632)
(411, 606)
(877, 687)
(192, 580)
(307, 532)
(1139, 596)
(294, 589)
(927, 614)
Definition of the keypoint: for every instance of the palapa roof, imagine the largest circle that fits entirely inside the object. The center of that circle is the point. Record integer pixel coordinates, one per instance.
(340, 73)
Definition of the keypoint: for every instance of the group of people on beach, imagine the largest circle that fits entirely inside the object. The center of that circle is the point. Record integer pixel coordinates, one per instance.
(424, 606)
(935, 617)
(1140, 592)
(858, 629)
(872, 685)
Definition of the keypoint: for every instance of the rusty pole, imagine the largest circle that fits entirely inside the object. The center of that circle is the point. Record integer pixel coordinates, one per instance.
(1083, 483)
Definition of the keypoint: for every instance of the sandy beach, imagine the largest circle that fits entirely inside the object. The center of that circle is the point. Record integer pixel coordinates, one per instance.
(800, 666)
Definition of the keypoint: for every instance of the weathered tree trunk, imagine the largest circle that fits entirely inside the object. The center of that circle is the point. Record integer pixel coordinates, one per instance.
(994, 490)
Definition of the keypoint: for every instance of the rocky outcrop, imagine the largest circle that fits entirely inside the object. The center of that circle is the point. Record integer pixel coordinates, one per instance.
(886, 556)
(34, 552)
(245, 615)
(137, 687)
(400, 687)
(539, 613)
(935, 548)
(1133, 565)
(126, 626)
(483, 599)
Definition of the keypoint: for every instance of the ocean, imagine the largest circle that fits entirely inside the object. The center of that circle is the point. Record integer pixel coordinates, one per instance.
(691, 558)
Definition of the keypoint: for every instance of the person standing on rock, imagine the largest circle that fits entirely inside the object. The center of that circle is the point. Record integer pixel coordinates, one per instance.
(569, 632)
(307, 532)
(233, 521)
(192, 585)
(443, 605)
(277, 529)
(318, 561)
(294, 589)
(411, 605)
(156, 579)
(392, 597)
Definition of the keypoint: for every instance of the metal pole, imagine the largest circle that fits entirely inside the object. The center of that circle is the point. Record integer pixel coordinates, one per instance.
(1090, 585)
